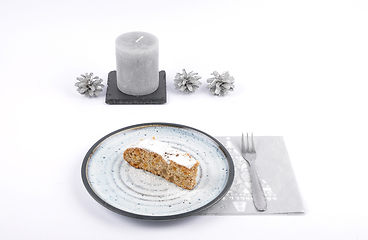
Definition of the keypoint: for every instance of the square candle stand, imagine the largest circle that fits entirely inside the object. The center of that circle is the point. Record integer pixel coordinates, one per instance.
(115, 97)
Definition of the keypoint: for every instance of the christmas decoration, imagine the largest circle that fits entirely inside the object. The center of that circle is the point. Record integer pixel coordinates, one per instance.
(220, 85)
(187, 82)
(88, 85)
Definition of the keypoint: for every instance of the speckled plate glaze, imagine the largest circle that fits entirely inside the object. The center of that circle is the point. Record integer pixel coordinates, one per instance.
(139, 194)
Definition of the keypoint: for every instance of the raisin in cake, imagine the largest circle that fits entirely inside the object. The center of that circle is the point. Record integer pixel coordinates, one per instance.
(163, 160)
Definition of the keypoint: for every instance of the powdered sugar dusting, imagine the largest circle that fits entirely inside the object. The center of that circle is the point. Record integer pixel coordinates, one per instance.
(167, 152)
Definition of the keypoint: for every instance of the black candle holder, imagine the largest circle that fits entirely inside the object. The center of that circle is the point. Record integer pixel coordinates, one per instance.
(115, 96)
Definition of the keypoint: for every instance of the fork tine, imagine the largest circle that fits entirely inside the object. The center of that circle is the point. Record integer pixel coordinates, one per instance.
(248, 146)
(253, 145)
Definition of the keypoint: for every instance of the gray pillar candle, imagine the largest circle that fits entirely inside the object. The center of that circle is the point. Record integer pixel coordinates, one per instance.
(137, 63)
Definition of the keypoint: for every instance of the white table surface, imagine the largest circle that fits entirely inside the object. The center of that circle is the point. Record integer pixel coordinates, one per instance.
(300, 69)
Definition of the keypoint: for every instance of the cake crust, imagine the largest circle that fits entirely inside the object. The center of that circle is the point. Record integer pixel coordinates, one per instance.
(162, 160)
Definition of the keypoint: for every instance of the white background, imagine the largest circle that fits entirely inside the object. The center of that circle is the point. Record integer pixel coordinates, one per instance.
(300, 69)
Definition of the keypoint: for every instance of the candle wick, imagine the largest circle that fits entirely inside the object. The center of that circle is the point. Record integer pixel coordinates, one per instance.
(138, 39)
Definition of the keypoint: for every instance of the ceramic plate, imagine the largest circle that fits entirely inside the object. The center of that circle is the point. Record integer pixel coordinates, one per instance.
(132, 192)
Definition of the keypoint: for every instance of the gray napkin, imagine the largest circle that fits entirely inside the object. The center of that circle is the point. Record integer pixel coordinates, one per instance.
(276, 175)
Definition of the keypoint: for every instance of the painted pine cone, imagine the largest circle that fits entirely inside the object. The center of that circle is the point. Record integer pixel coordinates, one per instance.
(220, 85)
(187, 82)
(88, 85)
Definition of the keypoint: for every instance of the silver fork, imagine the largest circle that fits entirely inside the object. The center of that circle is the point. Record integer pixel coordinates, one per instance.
(250, 155)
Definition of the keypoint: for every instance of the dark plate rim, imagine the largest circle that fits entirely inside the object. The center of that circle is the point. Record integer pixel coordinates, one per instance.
(159, 218)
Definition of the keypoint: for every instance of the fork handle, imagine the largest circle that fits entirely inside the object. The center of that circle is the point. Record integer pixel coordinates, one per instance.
(259, 198)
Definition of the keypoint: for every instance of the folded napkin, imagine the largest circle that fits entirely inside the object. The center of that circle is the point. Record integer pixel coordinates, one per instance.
(276, 175)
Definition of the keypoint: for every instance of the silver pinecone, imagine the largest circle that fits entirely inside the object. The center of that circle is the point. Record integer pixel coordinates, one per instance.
(220, 84)
(88, 85)
(187, 82)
